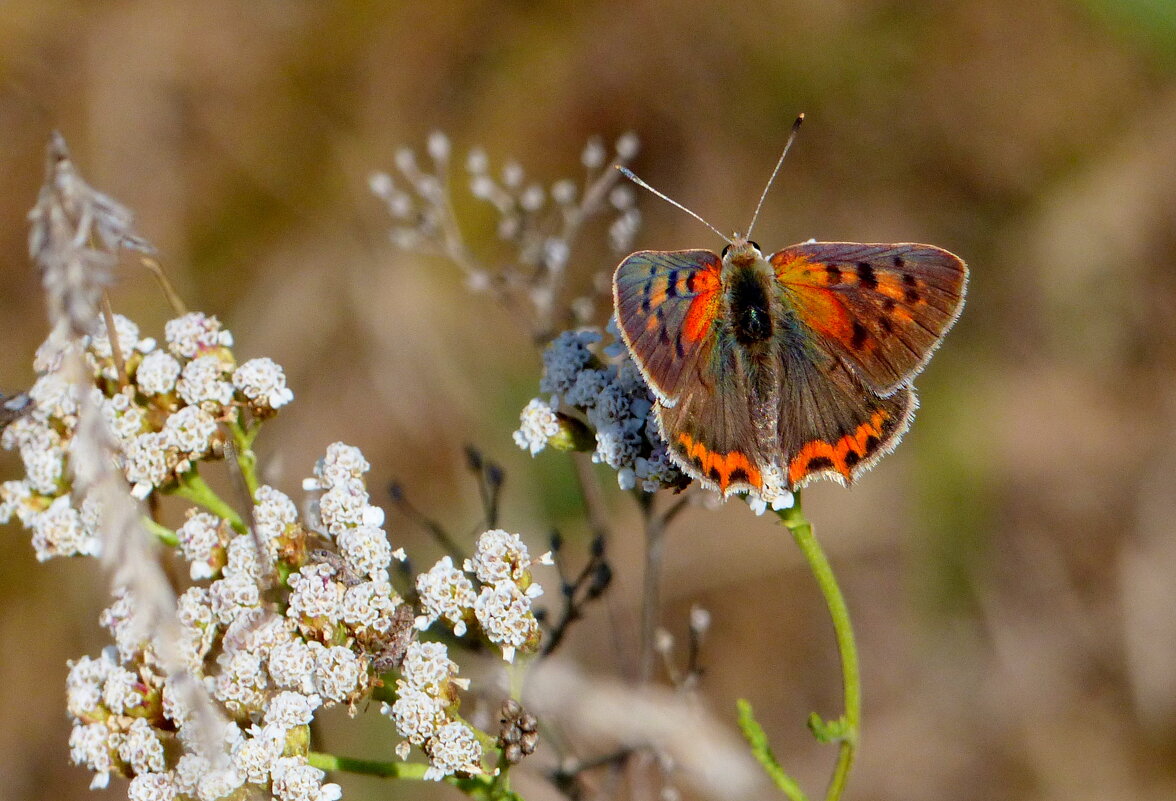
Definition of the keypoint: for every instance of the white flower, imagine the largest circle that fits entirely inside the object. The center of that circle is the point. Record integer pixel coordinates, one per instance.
(199, 538)
(273, 511)
(84, 684)
(314, 594)
(141, 748)
(242, 683)
(157, 373)
(58, 531)
(417, 714)
(368, 604)
(190, 430)
(445, 592)
(563, 360)
(54, 396)
(500, 555)
(263, 383)
(294, 780)
(504, 611)
(291, 664)
(89, 745)
(366, 550)
(288, 709)
(193, 333)
(538, 424)
(454, 749)
(232, 594)
(146, 462)
(336, 673)
(202, 383)
(151, 787)
(125, 418)
(342, 463)
(428, 668)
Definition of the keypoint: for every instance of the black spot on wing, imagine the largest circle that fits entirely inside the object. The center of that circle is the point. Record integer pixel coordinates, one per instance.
(866, 277)
(858, 339)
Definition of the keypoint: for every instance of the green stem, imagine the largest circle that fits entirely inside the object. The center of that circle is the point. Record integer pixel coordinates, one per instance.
(193, 488)
(367, 767)
(243, 444)
(845, 730)
(162, 533)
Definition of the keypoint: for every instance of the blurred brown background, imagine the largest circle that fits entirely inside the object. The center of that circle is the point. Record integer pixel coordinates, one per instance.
(1010, 568)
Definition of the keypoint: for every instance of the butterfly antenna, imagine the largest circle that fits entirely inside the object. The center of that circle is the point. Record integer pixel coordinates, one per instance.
(629, 174)
(788, 144)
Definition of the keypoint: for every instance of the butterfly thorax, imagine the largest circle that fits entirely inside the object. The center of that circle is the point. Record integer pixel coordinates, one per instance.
(747, 281)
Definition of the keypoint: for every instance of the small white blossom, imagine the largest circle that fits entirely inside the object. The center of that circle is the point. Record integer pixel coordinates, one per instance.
(428, 668)
(342, 463)
(242, 683)
(146, 463)
(445, 592)
(151, 787)
(125, 418)
(416, 714)
(288, 709)
(504, 612)
(314, 594)
(366, 550)
(232, 594)
(202, 383)
(263, 383)
(501, 556)
(89, 745)
(58, 531)
(454, 749)
(337, 672)
(538, 424)
(200, 538)
(190, 335)
(141, 748)
(294, 780)
(291, 665)
(84, 685)
(190, 431)
(273, 511)
(157, 373)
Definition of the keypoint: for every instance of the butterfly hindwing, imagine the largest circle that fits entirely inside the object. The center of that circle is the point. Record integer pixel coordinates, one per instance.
(830, 424)
(711, 431)
(881, 308)
(666, 303)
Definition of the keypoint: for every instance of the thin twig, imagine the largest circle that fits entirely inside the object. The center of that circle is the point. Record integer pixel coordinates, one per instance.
(169, 292)
(116, 353)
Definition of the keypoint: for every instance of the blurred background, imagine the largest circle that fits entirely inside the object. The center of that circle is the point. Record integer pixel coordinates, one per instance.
(1010, 568)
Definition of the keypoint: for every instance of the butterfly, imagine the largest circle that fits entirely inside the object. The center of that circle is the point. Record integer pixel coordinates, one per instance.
(772, 371)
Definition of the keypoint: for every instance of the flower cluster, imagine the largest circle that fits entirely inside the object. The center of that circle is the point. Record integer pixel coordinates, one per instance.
(425, 712)
(166, 417)
(539, 221)
(287, 614)
(605, 389)
(498, 599)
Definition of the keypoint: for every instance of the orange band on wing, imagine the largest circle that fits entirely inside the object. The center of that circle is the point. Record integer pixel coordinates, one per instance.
(842, 455)
(723, 469)
(705, 305)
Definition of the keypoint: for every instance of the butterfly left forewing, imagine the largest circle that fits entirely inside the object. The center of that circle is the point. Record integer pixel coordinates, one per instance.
(666, 303)
(881, 307)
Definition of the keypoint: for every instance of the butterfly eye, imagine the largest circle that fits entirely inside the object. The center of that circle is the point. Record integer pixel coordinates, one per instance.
(725, 249)
(755, 245)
